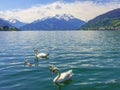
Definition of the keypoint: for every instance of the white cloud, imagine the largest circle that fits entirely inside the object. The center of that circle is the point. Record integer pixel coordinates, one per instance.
(83, 10)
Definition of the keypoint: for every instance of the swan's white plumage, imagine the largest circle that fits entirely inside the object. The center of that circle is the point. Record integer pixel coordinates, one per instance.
(64, 76)
(43, 55)
(61, 77)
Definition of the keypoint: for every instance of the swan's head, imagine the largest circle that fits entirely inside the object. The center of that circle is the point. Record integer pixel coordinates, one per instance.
(26, 61)
(53, 68)
(36, 50)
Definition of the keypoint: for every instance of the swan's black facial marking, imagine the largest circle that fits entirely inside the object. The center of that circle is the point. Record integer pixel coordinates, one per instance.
(35, 50)
(26, 61)
(52, 69)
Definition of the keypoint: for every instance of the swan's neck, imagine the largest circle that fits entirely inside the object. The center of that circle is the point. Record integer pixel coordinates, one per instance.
(58, 76)
(36, 53)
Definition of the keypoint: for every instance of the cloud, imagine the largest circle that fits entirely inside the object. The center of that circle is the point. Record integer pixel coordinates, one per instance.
(84, 10)
(58, 7)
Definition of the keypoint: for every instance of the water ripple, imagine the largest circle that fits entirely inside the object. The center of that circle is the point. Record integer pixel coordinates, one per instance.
(93, 56)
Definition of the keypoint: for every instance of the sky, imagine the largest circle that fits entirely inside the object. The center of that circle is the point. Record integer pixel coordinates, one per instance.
(30, 10)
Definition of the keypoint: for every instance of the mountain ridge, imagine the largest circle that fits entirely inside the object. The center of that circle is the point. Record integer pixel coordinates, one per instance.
(107, 21)
(57, 22)
(16, 23)
(5, 26)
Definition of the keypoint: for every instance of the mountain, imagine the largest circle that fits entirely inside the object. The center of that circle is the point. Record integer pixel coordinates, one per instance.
(16, 23)
(57, 22)
(4, 23)
(106, 21)
(5, 26)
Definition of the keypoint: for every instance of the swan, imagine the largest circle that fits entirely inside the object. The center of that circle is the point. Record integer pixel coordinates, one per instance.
(42, 55)
(28, 63)
(61, 77)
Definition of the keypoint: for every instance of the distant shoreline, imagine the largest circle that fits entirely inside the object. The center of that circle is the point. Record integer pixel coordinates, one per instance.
(66, 30)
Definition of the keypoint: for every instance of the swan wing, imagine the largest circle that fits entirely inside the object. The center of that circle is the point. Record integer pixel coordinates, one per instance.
(42, 55)
(65, 76)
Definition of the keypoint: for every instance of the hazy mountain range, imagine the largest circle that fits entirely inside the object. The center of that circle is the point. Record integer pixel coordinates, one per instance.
(5, 25)
(109, 21)
(57, 22)
(16, 23)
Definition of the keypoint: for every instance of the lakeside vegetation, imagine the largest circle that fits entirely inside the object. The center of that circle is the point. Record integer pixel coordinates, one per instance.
(107, 21)
(7, 28)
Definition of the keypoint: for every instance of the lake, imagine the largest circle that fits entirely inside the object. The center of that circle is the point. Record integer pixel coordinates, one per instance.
(94, 57)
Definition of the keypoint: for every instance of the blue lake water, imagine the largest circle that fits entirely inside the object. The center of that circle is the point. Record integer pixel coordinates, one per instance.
(94, 57)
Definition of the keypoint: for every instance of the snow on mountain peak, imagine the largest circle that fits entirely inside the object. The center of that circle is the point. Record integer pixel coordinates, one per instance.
(64, 16)
(45, 18)
(12, 20)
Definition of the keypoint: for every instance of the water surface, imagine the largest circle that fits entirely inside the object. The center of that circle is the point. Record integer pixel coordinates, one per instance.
(94, 57)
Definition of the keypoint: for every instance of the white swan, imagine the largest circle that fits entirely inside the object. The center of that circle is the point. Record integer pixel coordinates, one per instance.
(42, 55)
(61, 77)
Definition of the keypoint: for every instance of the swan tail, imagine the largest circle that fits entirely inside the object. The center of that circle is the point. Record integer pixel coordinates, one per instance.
(70, 73)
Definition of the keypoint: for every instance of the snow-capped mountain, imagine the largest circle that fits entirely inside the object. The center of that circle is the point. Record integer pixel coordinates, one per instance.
(4, 23)
(5, 26)
(66, 17)
(57, 22)
(57, 16)
(16, 23)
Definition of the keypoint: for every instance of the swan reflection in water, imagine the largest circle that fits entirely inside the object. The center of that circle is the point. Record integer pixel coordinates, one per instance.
(59, 85)
(36, 62)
